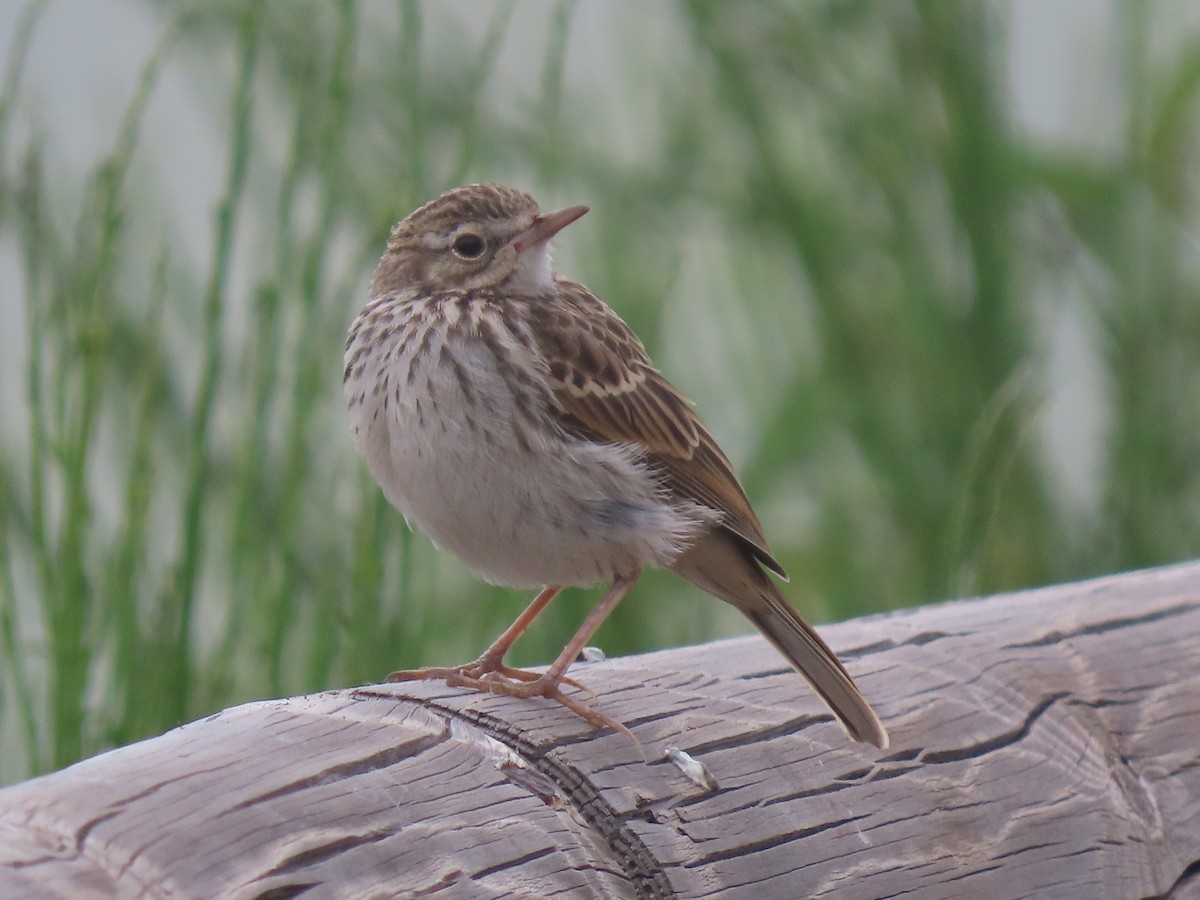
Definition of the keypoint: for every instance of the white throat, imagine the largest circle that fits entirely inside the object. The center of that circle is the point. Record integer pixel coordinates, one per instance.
(532, 273)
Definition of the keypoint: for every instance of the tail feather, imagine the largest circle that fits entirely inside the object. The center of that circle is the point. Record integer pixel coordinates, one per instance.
(720, 566)
(813, 659)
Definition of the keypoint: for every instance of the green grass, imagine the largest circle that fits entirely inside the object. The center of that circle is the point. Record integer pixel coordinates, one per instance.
(831, 235)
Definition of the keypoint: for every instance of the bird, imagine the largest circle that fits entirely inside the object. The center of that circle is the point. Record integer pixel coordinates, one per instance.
(515, 419)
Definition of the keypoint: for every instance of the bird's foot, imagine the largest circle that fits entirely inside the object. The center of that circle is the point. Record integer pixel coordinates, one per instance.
(478, 674)
(542, 686)
(494, 677)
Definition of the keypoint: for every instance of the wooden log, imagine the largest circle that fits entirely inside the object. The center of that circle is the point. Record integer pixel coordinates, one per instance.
(1044, 744)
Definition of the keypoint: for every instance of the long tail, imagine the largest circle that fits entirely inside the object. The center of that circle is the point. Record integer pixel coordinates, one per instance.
(719, 565)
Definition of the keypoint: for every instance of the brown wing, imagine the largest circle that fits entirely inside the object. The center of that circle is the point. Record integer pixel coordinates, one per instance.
(609, 390)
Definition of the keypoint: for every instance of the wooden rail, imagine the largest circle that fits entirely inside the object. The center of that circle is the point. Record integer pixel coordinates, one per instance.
(1044, 744)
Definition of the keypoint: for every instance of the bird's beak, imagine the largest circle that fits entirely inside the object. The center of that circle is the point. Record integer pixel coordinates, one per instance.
(545, 227)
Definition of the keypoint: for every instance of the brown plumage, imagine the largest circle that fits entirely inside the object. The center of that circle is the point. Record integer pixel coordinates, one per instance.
(572, 425)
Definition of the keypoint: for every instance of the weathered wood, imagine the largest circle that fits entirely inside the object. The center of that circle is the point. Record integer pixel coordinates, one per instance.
(1044, 744)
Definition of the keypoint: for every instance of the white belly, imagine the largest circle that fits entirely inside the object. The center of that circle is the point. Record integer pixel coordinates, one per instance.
(519, 506)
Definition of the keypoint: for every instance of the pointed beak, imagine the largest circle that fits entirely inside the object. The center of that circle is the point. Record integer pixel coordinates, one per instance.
(546, 226)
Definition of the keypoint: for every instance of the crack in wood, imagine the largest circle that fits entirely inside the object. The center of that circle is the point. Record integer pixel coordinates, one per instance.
(637, 862)
(794, 725)
(1057, 636)
(512, 862)
(749, 848)
(375, 761)
(287, 891)
(310, 856)
(999, 742)
(1187, 882)
(81, 835)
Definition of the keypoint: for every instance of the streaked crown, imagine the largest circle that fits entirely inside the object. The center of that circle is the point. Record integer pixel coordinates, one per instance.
(474, 202)
(454, 242)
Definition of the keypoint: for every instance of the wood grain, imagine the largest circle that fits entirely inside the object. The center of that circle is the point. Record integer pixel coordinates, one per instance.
(1044, 744)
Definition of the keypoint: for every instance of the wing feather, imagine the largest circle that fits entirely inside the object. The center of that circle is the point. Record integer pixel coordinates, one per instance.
(608, 390)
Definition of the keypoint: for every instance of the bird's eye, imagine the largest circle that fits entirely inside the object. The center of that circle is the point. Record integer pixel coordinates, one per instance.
(468, 246)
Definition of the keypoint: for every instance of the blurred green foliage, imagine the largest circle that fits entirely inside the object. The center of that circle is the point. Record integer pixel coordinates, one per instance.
(820, 216)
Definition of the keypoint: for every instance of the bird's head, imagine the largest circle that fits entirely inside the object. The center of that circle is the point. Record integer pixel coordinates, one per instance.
(473, 237)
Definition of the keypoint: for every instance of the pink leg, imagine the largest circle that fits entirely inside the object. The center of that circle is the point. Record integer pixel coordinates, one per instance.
(621, 586)
(548, 685)
(489, 674)
(502, 644)
(492, 659)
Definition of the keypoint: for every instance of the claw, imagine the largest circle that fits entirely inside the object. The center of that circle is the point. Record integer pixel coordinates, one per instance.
(596, 719)
(431, 674)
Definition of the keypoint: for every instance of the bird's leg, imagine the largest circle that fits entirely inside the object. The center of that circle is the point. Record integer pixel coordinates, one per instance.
(488, 673)
(548, 684)
(621, 586)
(491, 661)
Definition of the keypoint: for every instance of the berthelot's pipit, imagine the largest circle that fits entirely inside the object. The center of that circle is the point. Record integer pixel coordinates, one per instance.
(516, 420)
